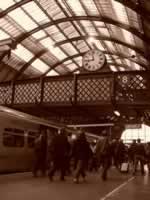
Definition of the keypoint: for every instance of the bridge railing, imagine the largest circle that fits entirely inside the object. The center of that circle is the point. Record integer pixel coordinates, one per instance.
(82, 89)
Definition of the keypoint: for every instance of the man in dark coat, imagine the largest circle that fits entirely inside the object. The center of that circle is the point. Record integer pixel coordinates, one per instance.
(40, 153)
(60, 149)
(82, 153)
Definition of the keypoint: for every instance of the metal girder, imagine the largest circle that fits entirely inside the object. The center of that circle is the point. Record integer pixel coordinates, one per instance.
(13, 7)
(78, 18)
(103, 38)
(81, 54)
(26, 65)
(133, 5)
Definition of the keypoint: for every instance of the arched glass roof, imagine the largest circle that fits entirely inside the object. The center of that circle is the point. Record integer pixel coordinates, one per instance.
(49, 37)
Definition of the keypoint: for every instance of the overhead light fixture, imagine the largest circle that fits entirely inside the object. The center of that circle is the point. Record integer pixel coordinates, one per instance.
(117, 113)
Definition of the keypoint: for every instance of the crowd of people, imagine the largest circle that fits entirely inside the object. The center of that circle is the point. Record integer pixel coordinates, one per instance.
(74, 157)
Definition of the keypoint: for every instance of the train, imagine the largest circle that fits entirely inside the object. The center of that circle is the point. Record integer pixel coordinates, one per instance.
(17, 134)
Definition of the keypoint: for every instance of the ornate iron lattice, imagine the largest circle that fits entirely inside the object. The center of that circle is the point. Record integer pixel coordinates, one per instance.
(59, 91)
(5, 94)
(132, 88)
(94, 90)
(27, 93)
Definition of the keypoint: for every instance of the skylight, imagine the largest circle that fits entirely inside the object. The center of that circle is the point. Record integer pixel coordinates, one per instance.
(76, 7)
(39, 34)
(136, 66)
(113, 68)
(3, 35)
(110, 45)
(52, 73)
(120, 11)
(4, 4)
(36, 13)
(41, 66)
(128, 37)
(49, 43)
(72, 67)
(99, 45)
(22, 19)
(23, 53)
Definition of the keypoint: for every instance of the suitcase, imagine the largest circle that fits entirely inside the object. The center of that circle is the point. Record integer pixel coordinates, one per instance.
(124, 167)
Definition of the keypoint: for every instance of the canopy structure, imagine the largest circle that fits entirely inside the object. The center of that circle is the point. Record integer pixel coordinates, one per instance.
(49, 37)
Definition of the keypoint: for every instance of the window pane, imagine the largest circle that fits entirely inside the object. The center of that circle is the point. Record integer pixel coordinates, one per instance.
(10, 139)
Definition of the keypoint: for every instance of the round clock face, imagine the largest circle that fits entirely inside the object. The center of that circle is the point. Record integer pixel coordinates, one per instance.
(93, 60)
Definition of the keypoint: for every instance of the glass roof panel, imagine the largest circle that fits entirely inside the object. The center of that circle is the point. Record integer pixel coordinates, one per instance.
(121, 68)
(10, 27)
(52, 73)
(69, 48)
(127, 62)
(72, 67)
(99, 24)
(55, 33)
(67, 62)
(56, 51)
(52, 9)
(134, 19)
(79, 27)
(38, 35)
(120, 11)
(78, 60)
(39, 65)
(116, 32)
(128, 37)
(61, 69)
(14, 61)
(3, 35)
(90, 7)
(64, 7)
(139, 42)
(99, 45)
(4, 4)
(110, 46)
(81, 45)
(76, 7)
(136, 66)
(32, 72)
(113, 68)
(88, 26)
(22, 19)
(104, 32)
(23, 53)
(35, 12)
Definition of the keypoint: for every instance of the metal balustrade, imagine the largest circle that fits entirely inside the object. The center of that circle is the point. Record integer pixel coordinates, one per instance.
(82, 89)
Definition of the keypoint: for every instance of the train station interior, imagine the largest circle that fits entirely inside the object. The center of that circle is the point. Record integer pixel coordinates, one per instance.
(79, 65)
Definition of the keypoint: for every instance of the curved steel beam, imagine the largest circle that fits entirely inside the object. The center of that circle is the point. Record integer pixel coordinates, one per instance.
(81, 54)
(107, 20)
(103, 38)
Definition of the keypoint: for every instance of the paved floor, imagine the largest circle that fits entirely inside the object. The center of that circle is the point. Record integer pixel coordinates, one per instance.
(23, 186)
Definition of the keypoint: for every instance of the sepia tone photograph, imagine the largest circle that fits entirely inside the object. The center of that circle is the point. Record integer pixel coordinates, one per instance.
(74, 99)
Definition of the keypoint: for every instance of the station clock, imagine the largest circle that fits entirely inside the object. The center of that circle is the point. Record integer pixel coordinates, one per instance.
(93, 60)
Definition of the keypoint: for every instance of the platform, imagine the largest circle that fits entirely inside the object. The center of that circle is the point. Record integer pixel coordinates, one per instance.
(23, 186)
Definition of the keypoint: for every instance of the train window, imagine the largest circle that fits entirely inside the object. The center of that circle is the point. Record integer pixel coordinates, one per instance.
(9, 129)
(31, 138)
(10, 139)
